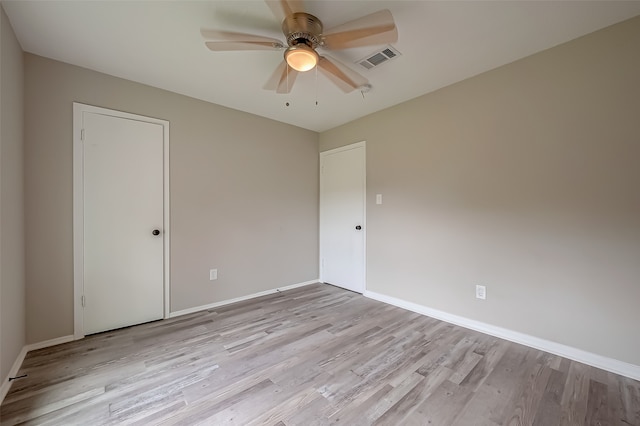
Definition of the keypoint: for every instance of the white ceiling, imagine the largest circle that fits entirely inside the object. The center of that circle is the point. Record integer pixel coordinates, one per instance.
(158, 43)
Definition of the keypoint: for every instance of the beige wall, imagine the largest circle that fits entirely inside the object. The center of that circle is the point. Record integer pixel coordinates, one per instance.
(244, 194)
(12, 281)
(525, 179)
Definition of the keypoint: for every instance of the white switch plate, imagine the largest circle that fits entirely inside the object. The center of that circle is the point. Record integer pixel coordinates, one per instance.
(481, 292)
(378, 198)
(213, 274)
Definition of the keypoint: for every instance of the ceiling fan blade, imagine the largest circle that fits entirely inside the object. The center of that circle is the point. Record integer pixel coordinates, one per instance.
(376, 28)
(229, 46)
(283, 8)
(228, 40)
(340, 74)
(282, 81)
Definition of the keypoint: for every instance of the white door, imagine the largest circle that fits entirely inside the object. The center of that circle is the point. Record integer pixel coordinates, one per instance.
(123, 222)
(342, 217)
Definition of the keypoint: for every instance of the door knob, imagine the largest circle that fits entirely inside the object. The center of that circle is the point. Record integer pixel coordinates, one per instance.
(156, 232)
(358, 227)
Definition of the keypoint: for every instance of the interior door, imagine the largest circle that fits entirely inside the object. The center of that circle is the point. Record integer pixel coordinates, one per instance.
(123, 219)
(342, 217)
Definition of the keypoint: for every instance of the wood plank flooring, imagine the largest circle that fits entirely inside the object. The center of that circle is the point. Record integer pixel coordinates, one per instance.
(315, 355)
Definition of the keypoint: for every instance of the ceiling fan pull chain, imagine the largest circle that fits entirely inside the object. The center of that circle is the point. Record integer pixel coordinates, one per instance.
(316, 86)
(287, 68)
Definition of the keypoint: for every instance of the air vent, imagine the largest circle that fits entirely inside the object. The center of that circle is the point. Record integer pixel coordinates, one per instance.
(378, 57)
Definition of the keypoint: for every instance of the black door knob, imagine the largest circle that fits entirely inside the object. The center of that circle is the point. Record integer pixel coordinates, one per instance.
(156, 232)
(358, 227)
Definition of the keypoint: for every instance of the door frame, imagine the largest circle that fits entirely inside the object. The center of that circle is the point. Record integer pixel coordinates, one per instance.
(78, 208)
(323, 154)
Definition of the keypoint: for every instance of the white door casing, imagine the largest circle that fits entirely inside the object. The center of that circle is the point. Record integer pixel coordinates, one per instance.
(342, 211)
(121, 270)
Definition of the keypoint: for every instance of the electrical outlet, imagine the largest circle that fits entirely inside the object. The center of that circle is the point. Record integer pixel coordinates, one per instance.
(213, 274)
(481, 292)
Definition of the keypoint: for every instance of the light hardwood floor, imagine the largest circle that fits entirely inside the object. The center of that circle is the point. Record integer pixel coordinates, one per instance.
(315, 355)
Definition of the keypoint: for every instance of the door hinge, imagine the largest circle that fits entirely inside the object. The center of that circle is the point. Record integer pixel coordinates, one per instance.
(82, 134)
(83, 300)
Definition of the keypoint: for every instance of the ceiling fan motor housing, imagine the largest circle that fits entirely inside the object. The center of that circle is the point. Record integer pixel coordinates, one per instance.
(302, 27)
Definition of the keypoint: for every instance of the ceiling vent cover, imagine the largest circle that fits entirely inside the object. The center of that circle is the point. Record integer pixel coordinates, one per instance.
(378, 57)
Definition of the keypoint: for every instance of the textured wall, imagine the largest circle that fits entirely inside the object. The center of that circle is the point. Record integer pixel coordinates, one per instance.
(244, 193)
(524, 179)
(12, 279)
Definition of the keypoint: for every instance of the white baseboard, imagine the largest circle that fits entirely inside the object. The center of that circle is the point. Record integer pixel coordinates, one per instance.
(49, 343)
(239, 299)
(609, 364)
(6, 384)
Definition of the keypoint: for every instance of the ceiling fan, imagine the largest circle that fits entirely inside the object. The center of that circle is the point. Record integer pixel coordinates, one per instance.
(304, 34)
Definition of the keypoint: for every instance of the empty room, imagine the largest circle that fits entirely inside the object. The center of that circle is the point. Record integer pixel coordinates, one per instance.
(319, 212)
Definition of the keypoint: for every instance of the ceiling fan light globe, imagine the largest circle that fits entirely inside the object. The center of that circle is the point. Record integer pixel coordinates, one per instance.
(301, 58)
